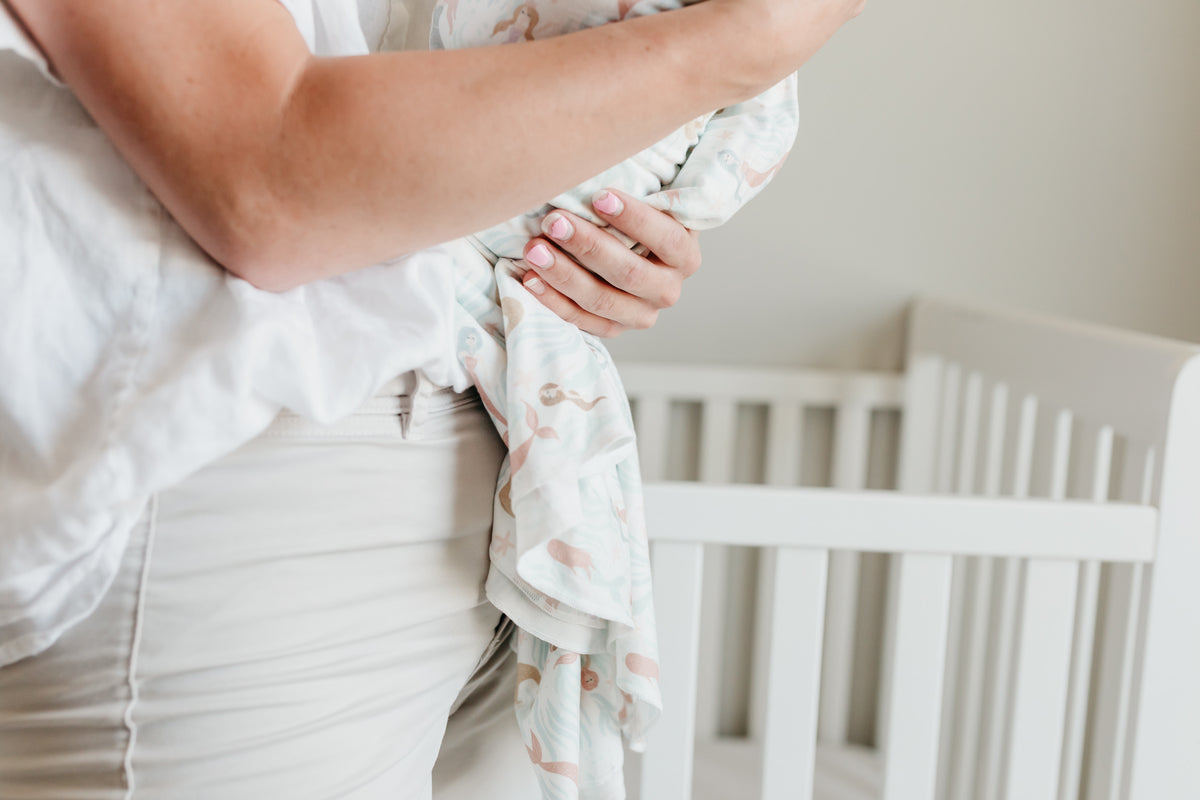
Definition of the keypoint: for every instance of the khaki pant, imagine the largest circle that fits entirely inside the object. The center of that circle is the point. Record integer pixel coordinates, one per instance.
(303, 619)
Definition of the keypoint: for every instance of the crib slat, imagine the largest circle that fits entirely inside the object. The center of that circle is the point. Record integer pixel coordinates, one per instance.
(652, 424)
(964, 570)
(997, 424)
(785, 430)
(1114, 678)
(947, 437)
(964, 482)
(965, 775)
(1006, 581)
(794, 673)
(851, 434)
(670, 745)
(1023, 464)
(1043, 656)
(1085, 627)
(784, 444)
(1118, 650)
(1040, 681)
(919, 597)
(1061, 459)
(716, 440)
(718, 423)
(917, 465)
(1152, 488)
(992, 750)
(918, 612)
(972, 667)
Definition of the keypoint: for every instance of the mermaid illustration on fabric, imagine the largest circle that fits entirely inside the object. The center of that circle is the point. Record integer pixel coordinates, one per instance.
(569, 558)
(520, 26)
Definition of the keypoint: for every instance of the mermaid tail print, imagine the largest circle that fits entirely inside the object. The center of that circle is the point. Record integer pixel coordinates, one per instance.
(517, 459)
(639, 664)
(755, 178)
(565, 768)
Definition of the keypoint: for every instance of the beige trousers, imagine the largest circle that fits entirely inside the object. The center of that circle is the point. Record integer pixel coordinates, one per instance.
(303, 619)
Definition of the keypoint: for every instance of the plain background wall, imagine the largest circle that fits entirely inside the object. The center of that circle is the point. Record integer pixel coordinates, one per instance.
(1038, 155)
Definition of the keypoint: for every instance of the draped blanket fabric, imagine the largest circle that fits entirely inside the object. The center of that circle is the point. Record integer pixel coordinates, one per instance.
(570, 561)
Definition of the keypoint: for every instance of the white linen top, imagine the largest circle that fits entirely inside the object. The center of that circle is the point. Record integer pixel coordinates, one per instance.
(129, 359)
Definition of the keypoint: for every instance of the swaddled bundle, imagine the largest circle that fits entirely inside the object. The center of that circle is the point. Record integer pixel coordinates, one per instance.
(569, 556)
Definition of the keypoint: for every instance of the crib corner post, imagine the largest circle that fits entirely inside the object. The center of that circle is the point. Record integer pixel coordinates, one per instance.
(1166, 713)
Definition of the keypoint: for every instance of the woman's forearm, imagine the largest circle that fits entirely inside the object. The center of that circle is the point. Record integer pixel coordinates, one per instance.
(287, 168)
(468, 138)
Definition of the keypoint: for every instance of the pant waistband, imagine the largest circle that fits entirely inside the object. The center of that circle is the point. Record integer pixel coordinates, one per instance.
(402, 404)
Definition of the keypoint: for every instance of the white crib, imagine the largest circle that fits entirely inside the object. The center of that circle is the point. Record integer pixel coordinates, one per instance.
(1042, 635)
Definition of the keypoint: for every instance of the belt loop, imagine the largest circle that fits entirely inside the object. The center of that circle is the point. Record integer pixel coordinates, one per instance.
(418, 406)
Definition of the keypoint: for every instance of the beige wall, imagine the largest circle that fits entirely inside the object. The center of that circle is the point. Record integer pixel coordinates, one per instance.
(1039, 155)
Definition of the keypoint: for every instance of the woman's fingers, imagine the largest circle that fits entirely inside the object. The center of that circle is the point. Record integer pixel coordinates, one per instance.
(674, 245)
(566, 308)
(588, 276)
(579, 296)
(656, 278)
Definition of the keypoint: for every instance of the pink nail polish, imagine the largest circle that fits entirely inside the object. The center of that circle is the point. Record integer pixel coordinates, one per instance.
(535, 285)
(607, 203)
(559, 228)
(539, 256)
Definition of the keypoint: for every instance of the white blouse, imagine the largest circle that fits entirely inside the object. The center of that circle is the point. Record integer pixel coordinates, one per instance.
(129, 359)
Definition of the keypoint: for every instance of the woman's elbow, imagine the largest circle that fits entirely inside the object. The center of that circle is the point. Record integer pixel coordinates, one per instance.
(261, 269)
(261, 251)
(265, 276)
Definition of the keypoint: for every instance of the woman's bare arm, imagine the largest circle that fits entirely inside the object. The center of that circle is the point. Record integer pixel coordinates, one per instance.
(287, 168)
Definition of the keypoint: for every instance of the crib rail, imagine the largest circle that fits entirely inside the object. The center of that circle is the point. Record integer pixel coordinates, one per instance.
(1042, 636)
(803, 526)
(787, 396)
(888, 522)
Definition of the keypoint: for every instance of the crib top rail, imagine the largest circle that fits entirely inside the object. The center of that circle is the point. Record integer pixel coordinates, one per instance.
(1122, 378)
(889, 522)
(881, 390)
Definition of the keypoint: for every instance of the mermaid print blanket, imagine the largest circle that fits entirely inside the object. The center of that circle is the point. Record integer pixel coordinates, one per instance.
(569, 555)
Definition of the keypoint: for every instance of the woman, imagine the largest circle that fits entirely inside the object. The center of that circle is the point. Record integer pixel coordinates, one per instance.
(301, 617)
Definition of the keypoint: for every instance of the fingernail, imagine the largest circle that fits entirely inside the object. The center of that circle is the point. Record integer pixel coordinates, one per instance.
(539, 256)
(535, 285)
(557, 227)
(607, 203)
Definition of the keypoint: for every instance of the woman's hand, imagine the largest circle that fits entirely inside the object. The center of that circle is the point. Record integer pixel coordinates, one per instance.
(591, 279)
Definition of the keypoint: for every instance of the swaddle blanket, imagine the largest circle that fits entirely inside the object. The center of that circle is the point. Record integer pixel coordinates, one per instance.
(569, 556)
